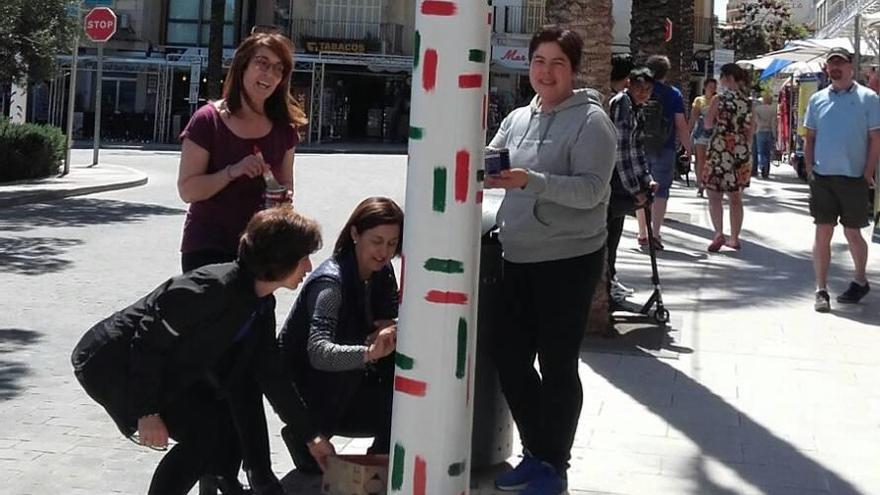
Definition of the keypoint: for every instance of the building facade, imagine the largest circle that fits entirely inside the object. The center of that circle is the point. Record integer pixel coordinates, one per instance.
(352, 67)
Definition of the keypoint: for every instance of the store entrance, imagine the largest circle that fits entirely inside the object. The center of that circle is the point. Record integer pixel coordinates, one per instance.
(365, 107)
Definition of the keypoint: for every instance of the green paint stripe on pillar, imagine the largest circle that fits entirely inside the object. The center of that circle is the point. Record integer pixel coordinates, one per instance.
(444, 266)
(403, 361)
(481, 175)
(461, 358)
(417, 51)
(397, 467)
(416, 132)
(439, 200)
(477, 56)
(457, 469)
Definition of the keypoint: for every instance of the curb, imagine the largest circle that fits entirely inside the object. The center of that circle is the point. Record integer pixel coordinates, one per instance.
(41, 195)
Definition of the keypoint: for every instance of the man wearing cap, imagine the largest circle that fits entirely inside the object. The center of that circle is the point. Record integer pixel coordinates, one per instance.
(841, 151)
(631, 179)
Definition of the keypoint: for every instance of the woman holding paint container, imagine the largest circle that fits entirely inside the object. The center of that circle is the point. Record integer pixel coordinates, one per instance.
(238, 149)
(552, 225)
(179, 362)
(340, 335)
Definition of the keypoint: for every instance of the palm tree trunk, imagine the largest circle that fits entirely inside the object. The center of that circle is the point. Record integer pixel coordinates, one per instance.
(592, 20)
(646, 36)
(215, 49)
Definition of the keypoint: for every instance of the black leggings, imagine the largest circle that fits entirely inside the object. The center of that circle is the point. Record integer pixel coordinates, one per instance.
(197, 420)
(549, 304)
(202, 426)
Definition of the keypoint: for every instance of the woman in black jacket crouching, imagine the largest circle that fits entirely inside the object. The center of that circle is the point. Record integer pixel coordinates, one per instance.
(176, 364)
(340, 334)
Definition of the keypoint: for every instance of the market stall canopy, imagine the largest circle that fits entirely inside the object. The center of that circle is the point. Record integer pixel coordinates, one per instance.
(799, 56)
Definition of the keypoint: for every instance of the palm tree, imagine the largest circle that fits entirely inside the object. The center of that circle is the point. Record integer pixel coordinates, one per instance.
(215, 49)
(647, 35)
(593, 21)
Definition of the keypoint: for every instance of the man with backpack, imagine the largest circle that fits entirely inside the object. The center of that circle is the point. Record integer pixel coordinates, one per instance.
(664, 122)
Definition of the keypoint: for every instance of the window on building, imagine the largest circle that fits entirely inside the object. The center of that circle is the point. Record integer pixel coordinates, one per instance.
(351, 19)
(189, 22)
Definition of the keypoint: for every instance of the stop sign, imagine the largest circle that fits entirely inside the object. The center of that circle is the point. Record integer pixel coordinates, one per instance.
(100, 24)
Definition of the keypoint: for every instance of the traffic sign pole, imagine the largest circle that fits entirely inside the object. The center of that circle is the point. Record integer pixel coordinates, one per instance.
(100, 26)
(71, 96)
(98, 104)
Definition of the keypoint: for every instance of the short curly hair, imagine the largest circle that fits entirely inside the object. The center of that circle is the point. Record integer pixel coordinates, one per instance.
(275, 241)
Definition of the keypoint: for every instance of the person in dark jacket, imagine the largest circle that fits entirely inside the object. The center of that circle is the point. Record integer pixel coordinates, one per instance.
(340, 334)
(631, 179)
(177, 363)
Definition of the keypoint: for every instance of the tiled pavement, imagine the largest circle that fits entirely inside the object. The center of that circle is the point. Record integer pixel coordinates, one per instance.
(759, 394)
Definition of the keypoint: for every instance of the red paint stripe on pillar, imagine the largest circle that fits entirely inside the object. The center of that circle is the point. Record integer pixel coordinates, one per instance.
(479, 197)
(410, 386)
(441, 297)
(420, 478)
(489, 18)
(470, 81)
(462, 175)
(485, 110)
(429, 70)
(437, 7)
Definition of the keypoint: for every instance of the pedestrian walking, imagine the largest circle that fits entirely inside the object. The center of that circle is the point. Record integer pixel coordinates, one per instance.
(728, 166)
(552, 230)
(699, 134)
(665, 122)
(340, 335)
(841, 150)
(229, 146)
(765, 134)
(178, 363)
(631, 180)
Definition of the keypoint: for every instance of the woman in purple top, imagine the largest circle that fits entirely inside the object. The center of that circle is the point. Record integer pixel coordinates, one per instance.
(229, 144)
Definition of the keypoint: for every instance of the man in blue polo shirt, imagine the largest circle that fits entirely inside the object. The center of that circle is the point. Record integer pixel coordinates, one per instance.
(841, 151)
(661, 156)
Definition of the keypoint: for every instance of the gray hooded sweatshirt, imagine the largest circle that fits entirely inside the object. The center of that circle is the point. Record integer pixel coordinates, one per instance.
(569, 154)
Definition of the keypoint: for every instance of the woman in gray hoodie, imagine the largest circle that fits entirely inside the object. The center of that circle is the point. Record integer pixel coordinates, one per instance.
(552, 230)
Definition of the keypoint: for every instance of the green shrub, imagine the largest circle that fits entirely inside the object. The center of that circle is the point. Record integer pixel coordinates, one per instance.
(29, 151)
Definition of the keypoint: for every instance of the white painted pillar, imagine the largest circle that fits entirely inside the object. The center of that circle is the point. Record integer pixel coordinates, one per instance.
(433, 401)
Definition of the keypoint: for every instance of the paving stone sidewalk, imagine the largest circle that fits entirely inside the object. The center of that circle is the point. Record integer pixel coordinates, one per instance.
(757, 394)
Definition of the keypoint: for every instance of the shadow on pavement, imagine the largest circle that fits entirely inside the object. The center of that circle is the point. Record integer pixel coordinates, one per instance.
(12, 372)
(781, 467)
(79, 212)
(758, 268)
(34, 255)
(297, 482)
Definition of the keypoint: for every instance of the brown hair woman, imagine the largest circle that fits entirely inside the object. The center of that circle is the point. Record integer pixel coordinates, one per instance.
(231, 143)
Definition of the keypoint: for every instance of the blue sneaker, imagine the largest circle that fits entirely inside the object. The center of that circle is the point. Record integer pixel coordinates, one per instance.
(546, 482)
(520, 476)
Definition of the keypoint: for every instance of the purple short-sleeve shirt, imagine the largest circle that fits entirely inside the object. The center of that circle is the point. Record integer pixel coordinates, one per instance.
(217, 222)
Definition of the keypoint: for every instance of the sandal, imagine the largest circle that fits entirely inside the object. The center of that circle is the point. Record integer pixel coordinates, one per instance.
(716, 244)
(735, 246)
(643, 241)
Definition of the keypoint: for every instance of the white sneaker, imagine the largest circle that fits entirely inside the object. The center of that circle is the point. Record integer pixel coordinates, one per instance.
(620, 292)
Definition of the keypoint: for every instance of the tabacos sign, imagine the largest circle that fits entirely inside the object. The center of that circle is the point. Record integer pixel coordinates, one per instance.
(512, 57)
(316, 45)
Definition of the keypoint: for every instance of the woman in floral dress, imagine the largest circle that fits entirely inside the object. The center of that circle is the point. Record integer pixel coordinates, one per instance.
(728, 163)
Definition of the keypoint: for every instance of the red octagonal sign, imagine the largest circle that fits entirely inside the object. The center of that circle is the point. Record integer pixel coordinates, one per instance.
(100, 24)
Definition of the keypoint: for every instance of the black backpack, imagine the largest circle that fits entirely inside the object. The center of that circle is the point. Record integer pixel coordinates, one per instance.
(656, 128)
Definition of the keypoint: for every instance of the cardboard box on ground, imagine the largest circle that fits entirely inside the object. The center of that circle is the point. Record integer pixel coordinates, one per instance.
(356, 475)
